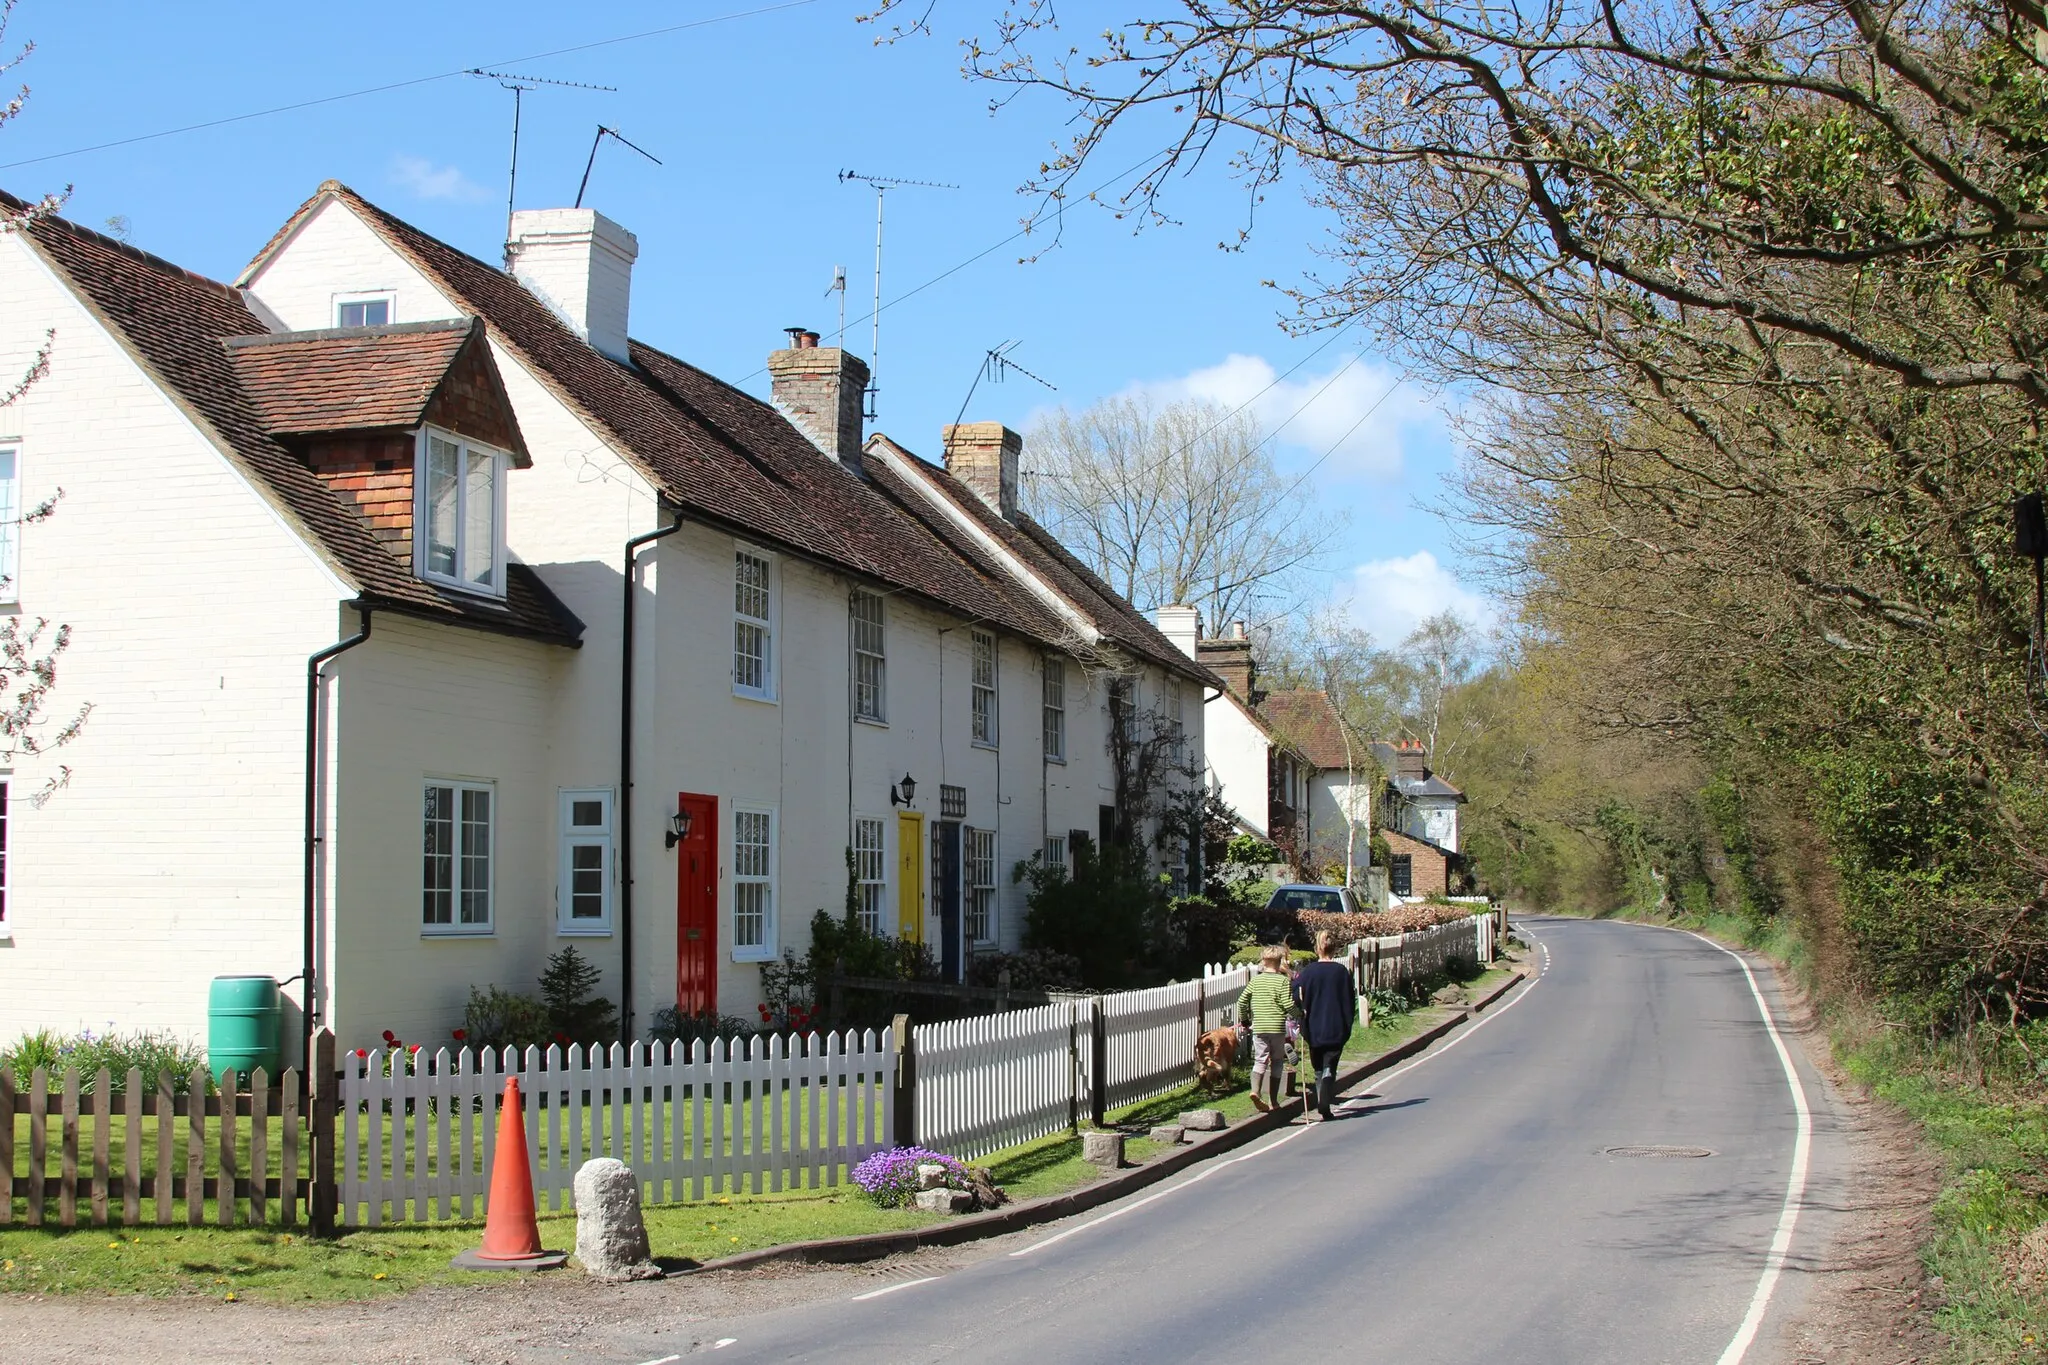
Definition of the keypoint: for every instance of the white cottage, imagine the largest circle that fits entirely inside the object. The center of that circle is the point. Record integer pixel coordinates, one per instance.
(430, 622)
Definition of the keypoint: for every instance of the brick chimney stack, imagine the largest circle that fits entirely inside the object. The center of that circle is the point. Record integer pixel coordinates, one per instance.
(1411, 759)
(1231, 659)
(984, 456)
(821, 390)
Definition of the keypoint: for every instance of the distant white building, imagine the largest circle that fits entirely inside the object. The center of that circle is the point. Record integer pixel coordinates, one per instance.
(1420, 822)
(585, 645)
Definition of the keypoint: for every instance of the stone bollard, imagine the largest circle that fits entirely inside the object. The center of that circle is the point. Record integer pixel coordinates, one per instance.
(1202, 1120)
(1172, 1134)
(945, 1201)
(1103, 1149)
(611, 1237)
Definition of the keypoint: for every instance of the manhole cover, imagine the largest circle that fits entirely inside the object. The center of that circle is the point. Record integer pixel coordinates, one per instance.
(1660, 1151)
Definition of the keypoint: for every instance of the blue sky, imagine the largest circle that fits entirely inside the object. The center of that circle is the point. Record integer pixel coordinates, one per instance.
(742, 225)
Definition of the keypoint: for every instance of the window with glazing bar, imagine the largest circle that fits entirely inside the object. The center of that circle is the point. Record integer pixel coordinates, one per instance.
(870, 872)
(870, 660)
(456, 891)
(1055, 706)
(984, 688)
(753, 630)
(753, 881)
(981, 885)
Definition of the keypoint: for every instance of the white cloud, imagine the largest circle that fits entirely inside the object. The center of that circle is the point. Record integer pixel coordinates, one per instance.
(427, 181)
(1390, 597)
(1356, 410)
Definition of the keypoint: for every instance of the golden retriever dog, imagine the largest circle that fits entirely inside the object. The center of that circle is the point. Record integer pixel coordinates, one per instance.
(1215, 1054)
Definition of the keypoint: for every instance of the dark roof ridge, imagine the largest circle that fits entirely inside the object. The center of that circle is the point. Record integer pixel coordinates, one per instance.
(389, 329)
(97, 238)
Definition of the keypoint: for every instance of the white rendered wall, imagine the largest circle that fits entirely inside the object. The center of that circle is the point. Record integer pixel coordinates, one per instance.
(1237, 761)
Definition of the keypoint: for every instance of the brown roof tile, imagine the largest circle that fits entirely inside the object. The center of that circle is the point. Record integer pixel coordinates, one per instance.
(1309, 721)
(348, 379)
(173, 322)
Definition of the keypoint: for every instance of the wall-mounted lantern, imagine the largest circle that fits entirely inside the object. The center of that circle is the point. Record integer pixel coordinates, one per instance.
(678, 828)
(904, 792)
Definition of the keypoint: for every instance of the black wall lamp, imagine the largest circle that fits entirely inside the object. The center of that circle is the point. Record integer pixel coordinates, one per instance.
(678, 828)
(904, 792)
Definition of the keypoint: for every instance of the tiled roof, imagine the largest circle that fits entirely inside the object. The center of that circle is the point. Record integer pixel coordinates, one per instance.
(1429, 784)
(726, 458)
(173, 323)
(347, 379)
(1310, 721)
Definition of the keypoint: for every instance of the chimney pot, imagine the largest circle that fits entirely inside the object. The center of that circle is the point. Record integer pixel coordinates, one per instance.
(984, 456)
(810, 339)
(580, 264)
(1237, 630)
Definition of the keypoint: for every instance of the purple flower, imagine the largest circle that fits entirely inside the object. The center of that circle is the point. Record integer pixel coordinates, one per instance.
(890, 1177)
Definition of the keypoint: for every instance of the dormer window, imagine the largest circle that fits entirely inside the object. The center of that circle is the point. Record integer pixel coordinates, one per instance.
(460, 513)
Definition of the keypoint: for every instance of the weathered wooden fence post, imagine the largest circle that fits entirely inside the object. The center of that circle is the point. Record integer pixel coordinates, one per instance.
(1002, 990)
(1073, 1066)
(904, 1101)
(323, 1192)
(1098, 1078)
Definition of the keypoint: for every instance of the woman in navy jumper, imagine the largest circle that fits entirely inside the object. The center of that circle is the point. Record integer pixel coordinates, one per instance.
(1329, 1004)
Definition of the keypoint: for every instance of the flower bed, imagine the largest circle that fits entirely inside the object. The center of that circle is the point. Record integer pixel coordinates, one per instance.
(890, 1178)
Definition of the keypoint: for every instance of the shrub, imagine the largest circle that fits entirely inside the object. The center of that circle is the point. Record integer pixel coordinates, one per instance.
(1033, 969)
(890, 1177)
(1110, 914)
(153, 1053)
(1203, 931)
(498, 1018)
(576, 1013)
(671, 1025)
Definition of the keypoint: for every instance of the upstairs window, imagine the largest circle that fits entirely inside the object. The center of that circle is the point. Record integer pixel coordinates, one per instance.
(870, 662)
(868, 868)
(1055, 710)
(984, 699)
(584, 894)
(5, 930)
(367, 310)
(753, 630)
(10, 523)
(461, 513)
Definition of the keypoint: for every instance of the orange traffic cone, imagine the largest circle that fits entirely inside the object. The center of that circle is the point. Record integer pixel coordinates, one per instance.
(511, 1235)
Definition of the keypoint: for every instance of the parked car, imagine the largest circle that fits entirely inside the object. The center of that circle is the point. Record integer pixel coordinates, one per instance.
(1329, 900)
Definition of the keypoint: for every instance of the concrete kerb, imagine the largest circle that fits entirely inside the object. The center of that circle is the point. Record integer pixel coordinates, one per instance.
(873, 1246)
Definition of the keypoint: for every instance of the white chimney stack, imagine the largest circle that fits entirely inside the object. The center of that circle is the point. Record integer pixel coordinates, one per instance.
(580, 264)
(1182, 626)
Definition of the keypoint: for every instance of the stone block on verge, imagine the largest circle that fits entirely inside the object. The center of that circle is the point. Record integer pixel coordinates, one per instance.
(1169, 1133)
(931, 1176)
(1202, 1120)
(1103, 1149)
(611, 1236)
(945, 1201)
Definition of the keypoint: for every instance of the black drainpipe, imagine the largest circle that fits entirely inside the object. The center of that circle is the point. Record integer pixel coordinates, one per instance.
(626, 779)
(310, 1013)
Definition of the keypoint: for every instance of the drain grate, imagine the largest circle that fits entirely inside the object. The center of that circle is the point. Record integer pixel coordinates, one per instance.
(1660, 1151)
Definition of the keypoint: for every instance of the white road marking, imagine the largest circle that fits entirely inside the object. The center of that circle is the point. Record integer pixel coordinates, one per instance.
(1795, 1184)
(722, 1343)
(892, 1288)
(1275, 1145)
(665, 1360)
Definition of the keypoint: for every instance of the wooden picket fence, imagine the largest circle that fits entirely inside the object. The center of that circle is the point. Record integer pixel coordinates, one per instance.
(109, 1166)
(770, 1113)
(1392, 962)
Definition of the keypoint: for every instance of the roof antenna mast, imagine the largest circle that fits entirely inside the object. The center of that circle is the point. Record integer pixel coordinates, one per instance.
(882, 185)
(616, 136)
(996, 365)
(519, 85)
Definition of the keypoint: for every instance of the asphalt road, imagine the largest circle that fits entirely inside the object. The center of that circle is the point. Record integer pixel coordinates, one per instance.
(1465, 1208)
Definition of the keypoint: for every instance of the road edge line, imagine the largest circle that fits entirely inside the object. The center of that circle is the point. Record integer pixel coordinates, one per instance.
(873, 1246)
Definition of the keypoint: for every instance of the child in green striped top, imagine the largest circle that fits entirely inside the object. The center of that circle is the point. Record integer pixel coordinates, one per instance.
(1267, 1001)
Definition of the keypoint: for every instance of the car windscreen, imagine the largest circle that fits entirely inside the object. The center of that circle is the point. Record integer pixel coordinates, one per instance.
(1297, 898)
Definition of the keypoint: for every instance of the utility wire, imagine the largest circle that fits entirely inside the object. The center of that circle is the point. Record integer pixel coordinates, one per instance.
(403, 85)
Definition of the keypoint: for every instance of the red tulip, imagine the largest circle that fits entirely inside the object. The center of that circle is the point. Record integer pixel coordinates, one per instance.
(389, 1036)
(461, 1035)
(362, 1052)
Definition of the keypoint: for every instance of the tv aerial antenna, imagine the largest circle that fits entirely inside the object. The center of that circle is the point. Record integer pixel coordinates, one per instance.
(882, 184)
(996, 365)
(616, 136)
(519, 85)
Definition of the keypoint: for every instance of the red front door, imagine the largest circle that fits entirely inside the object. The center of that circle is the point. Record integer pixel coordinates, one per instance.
(697, 907)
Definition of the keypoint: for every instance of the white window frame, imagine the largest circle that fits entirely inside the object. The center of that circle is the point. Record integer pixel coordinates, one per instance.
(387, 297)
(6, 815)
(871, 871)
(456, 926)
(1053, 713)
(1056, 854)
(10, 526)
(765, 624)
(875, 710)
(983, 698)
(422, 512)
(981, 895)
(764, 951)
(573, 838)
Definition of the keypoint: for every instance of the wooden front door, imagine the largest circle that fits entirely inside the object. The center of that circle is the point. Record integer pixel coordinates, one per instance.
(910, 876)
(697, 907)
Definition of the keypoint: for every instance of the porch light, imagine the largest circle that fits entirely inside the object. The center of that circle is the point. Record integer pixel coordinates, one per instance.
(904, 792)
(678, 828)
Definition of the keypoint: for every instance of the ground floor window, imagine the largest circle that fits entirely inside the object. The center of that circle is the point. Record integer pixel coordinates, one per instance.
(1056, 851)
(753, 882)
(1401, 874)
(5, 782)
(584, 888)
(869, 877)
(981, 885)
(458, 845)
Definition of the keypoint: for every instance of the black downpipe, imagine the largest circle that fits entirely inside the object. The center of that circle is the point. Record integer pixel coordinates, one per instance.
(309, 986)
(626, 778)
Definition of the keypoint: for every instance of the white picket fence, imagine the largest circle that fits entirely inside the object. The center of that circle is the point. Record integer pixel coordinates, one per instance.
(1150, 1035)
(992, 1082)
(1388, 962)
(767, 1114)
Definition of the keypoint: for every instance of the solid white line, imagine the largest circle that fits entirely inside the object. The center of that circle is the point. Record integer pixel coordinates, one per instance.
(722, 1343)
(892, 1288)
(1291, 1135)
(1795, 1184)
(665, 1360)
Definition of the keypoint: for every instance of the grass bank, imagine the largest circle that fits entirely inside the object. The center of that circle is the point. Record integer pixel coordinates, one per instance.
(1989, 1245)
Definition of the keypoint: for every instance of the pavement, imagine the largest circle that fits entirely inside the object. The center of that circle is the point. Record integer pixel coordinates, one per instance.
(1465, 1207)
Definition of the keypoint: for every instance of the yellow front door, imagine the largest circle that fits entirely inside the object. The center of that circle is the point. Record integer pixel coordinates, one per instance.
(910, 876)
